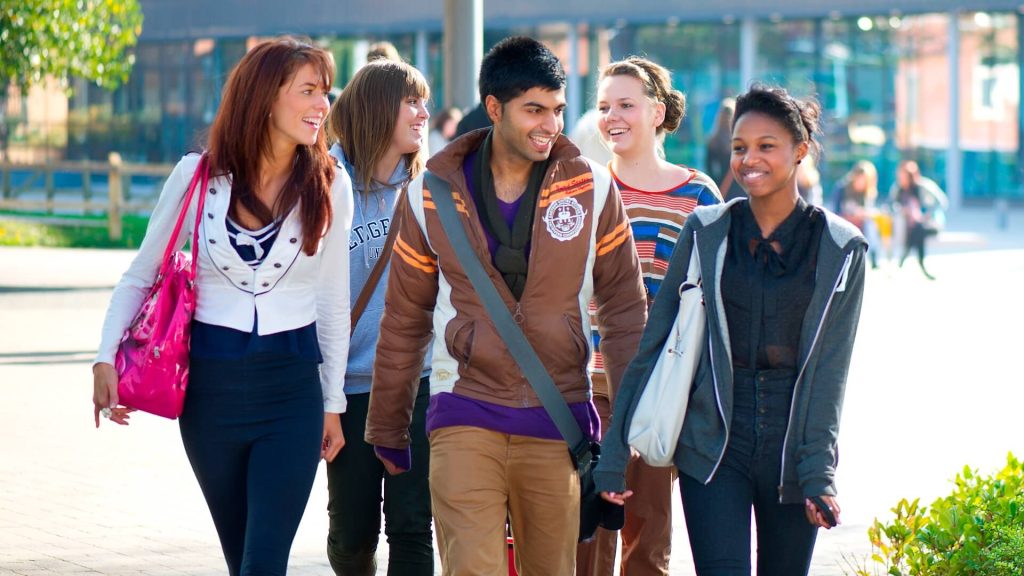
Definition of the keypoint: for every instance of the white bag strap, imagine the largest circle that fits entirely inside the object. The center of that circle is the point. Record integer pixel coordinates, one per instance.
(693, 271)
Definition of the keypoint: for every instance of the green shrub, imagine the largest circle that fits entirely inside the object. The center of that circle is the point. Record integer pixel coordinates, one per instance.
(49, 231)
(978, 530)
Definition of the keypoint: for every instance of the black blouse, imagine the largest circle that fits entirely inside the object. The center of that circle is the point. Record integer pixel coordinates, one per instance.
(767, 285)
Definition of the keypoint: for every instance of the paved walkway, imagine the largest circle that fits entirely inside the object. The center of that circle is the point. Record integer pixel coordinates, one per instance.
(932, 389)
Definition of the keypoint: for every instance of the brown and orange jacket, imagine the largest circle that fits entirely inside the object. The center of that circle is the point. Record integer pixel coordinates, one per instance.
(581, 247)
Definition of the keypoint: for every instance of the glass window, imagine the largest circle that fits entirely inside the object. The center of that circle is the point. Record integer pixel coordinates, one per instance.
(704, 61)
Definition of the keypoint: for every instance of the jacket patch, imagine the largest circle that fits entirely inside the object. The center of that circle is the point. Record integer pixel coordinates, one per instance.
(564, 218)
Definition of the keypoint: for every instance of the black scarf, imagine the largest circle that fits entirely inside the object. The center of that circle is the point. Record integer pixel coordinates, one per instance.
(510, 257)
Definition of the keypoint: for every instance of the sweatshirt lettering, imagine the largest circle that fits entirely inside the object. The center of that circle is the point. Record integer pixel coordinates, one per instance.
(373, 230)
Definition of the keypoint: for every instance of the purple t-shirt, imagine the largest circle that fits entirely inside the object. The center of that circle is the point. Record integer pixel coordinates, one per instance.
(449, 409)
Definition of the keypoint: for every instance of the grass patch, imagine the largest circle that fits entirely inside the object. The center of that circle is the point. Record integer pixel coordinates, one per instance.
(28, 229)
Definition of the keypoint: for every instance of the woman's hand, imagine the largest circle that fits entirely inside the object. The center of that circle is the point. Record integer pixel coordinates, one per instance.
(334, 438)
(816, 517)
(104, 395)
(617, 497)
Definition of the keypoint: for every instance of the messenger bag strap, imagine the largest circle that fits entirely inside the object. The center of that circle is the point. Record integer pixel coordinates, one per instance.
(520, 348)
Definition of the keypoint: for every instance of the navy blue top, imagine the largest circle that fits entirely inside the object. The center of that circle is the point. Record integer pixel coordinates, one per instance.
(252, 245)
(211, 342)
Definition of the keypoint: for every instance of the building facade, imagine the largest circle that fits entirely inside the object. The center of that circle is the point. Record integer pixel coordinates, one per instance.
(925, 79)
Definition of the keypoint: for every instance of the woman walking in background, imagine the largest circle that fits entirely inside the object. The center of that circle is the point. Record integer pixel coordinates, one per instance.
(783, 283)
(921, 204)
(443, 129)
(719, 150)
(271, 327)
(637, 105)
(379, 124)
(856, 196)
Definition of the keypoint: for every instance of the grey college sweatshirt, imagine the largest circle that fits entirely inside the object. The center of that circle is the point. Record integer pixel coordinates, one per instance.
(371, 221)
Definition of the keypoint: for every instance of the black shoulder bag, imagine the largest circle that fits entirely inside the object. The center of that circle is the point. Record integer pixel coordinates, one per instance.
(594, 510)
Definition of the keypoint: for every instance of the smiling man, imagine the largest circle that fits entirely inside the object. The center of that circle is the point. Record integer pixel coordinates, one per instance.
(550, 239)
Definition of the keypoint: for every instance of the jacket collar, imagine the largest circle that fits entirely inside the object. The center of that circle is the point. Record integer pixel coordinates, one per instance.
(844, 236)
(712, 231)
(226, 260)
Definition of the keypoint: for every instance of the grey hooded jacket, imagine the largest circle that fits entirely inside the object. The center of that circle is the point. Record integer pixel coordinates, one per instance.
(810, 451)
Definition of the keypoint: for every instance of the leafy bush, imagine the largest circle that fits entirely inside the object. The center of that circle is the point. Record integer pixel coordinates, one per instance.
(51, 232)
(978, 530)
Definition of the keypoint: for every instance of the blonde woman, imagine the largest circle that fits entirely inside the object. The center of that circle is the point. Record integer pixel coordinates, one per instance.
(637, 106)
(857, 195)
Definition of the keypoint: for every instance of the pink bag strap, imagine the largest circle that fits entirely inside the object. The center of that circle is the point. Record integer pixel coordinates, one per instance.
(202, 173)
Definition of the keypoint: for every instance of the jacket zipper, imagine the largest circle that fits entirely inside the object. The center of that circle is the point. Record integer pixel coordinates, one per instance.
(721, 412)
(840, 281)
(714, 381)
(517, 315)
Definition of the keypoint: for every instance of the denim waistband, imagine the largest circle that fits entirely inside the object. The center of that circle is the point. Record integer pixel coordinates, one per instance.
(768, 380)
(762, 396)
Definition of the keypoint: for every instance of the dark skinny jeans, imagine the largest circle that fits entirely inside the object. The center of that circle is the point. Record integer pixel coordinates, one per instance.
(718, 514)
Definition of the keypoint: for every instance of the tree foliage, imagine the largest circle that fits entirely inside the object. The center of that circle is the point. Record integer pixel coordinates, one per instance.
(90, 39)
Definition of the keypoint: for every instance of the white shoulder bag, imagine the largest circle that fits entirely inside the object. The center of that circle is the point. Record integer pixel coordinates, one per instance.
(658, 419)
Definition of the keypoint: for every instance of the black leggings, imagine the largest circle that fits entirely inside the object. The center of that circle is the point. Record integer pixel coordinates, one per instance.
(252, 430)
(354, 481)
(917, 236)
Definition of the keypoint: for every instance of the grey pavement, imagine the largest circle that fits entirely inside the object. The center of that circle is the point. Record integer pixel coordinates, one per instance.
(932, 388)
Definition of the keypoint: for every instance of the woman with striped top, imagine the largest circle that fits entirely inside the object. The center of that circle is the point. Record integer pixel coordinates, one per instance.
(637, 107)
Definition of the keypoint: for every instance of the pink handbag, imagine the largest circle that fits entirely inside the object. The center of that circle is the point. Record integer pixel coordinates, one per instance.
(152, 359)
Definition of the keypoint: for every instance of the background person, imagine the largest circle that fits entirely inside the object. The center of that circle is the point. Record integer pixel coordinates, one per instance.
(586, 135)
(783, 284)
(808, 181)
(856, 197)
(921, 205)
(443, 129)
(719, 150)
(382, 50)
(271, 328)
(379, 126)
(474, 119)
(636, 106)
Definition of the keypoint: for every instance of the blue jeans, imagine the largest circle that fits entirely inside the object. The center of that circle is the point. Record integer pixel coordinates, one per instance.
(354, 481)
(718, 513)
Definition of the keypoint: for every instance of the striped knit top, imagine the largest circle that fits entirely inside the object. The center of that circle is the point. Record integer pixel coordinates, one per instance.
(656, 219)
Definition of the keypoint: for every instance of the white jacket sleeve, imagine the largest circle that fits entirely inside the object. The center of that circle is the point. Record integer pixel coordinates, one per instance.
(134, 285)
(333, 314)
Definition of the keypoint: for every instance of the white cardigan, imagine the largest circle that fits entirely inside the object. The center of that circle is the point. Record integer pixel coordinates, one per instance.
(288, 290)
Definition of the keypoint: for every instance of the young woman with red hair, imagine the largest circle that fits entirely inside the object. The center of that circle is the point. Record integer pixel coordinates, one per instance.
(271, 328)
